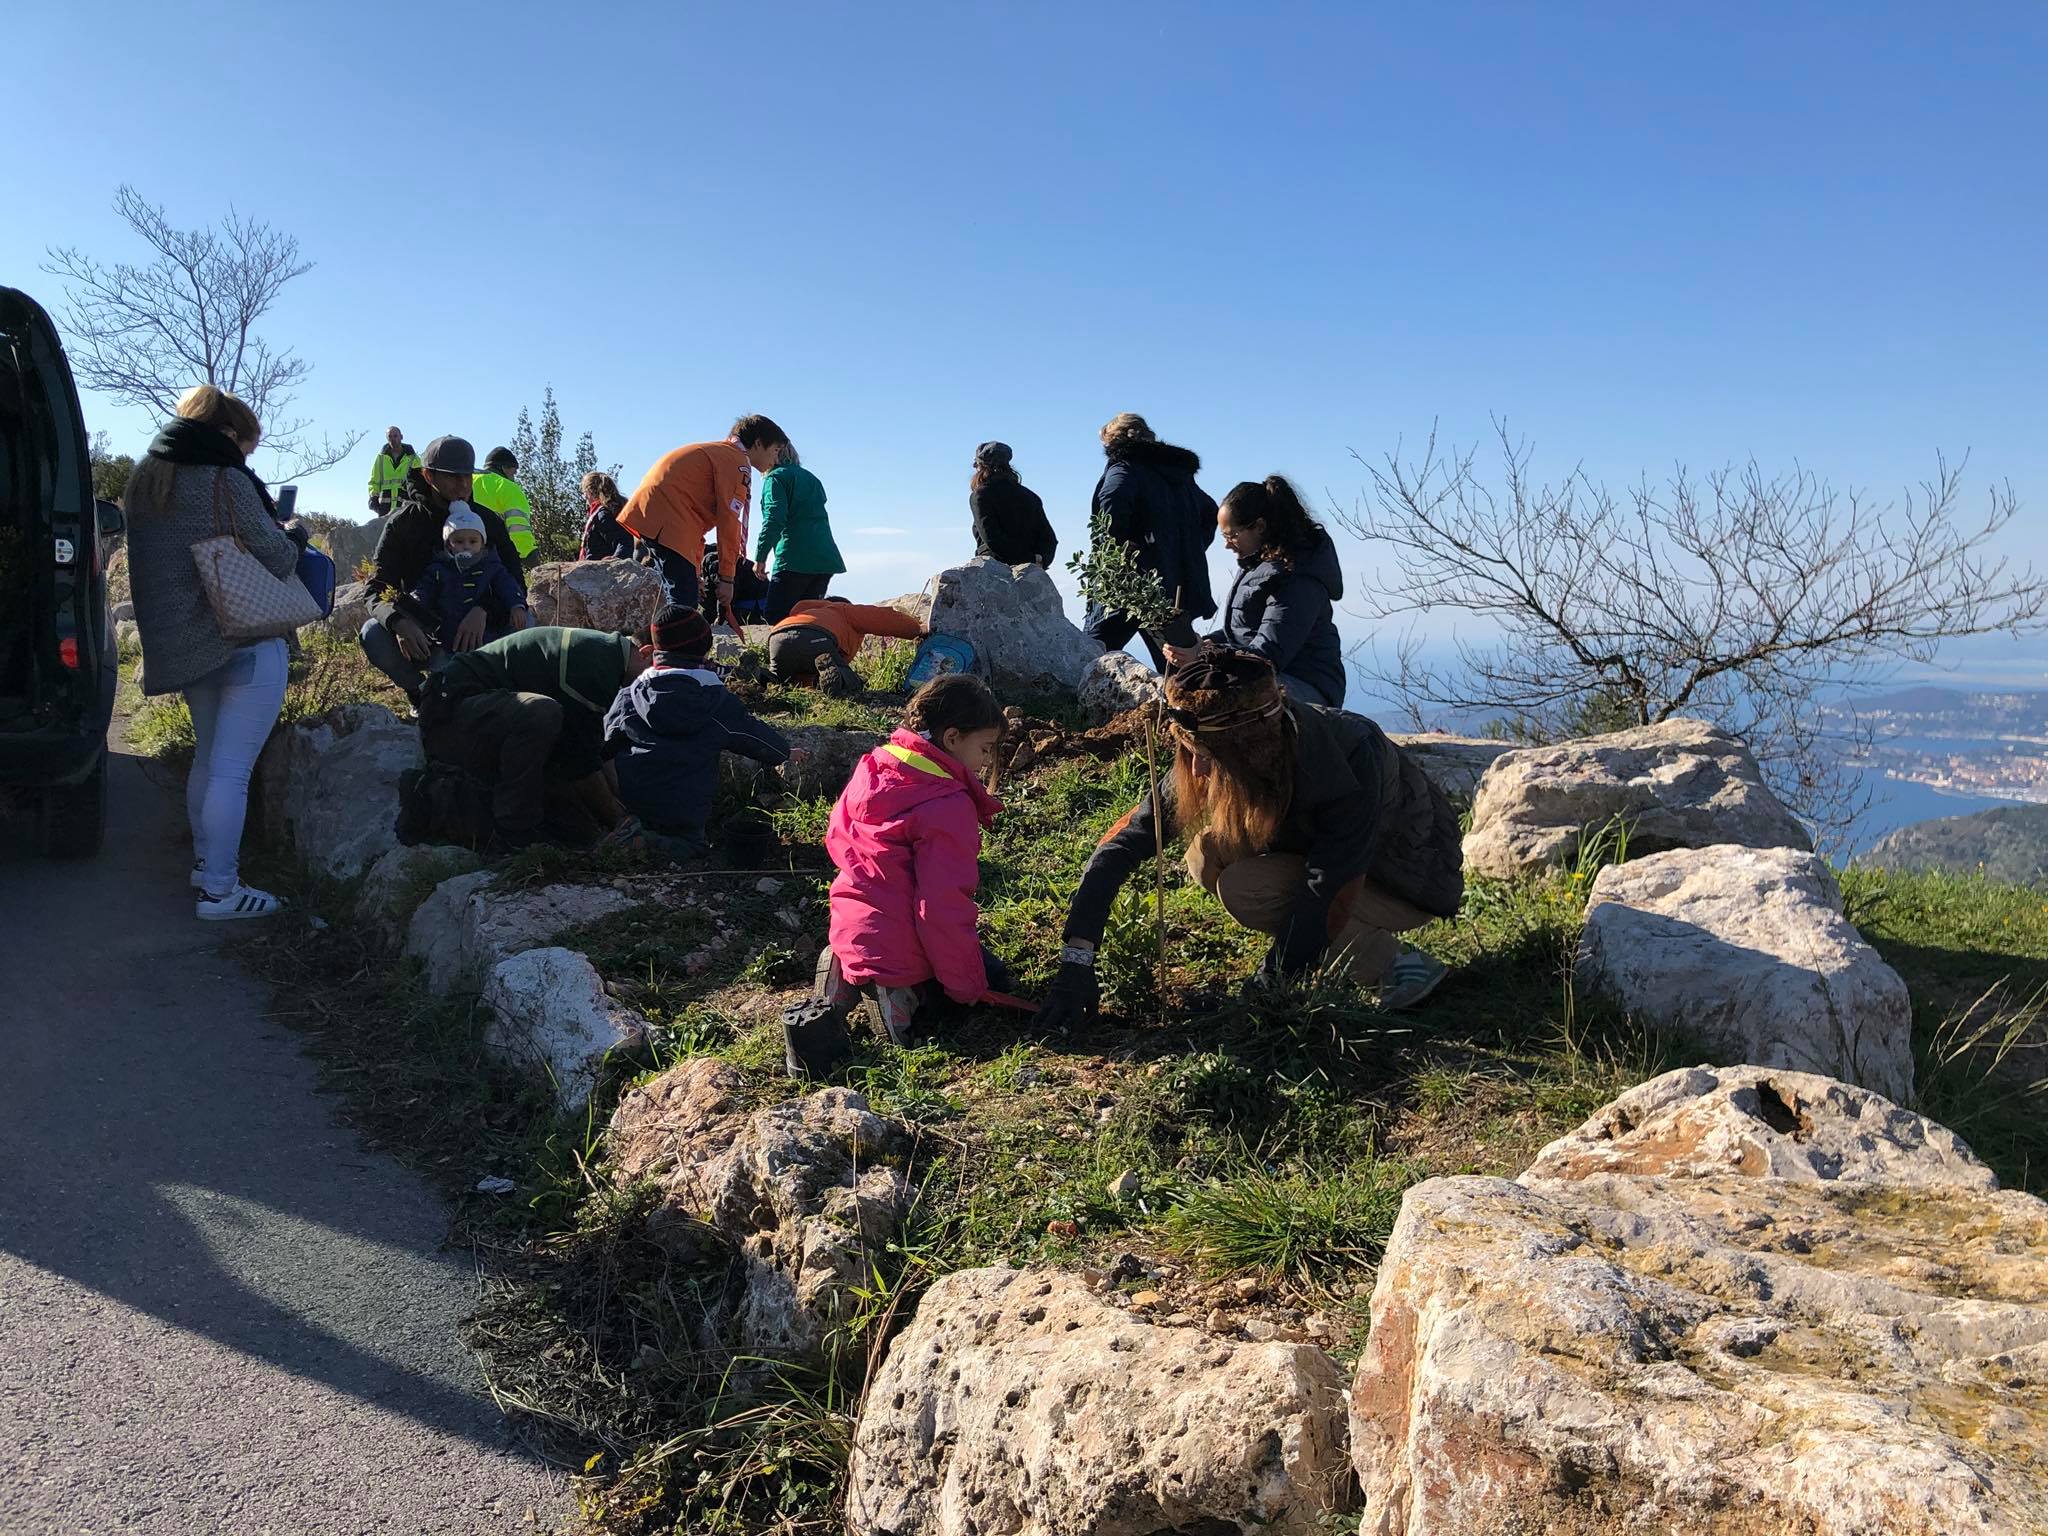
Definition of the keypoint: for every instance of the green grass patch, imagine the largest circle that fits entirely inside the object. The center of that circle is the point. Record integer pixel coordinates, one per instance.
(1229, 1127)
(1305, 1225)
(1974, 956)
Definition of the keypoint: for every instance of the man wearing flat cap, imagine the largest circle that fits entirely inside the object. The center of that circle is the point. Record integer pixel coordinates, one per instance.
(397, 636)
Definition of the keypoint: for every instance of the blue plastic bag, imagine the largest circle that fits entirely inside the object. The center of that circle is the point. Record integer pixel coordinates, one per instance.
(316, 574)
(940, 655)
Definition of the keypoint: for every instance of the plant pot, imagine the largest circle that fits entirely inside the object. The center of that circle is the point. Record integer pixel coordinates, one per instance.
(750, 841)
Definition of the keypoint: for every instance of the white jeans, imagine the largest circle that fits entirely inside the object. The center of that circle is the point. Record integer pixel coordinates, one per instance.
(233, 708)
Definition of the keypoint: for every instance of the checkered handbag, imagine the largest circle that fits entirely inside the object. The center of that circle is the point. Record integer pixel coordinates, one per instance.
(248, 602)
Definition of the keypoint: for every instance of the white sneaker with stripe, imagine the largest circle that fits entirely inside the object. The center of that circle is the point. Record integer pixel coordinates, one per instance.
(242, 901)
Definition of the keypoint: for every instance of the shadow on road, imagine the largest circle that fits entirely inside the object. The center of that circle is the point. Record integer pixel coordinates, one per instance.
(165, 1146)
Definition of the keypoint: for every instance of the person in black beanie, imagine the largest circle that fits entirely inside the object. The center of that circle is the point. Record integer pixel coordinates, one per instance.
(667, 728)
(1009, 519)
(1306, 823)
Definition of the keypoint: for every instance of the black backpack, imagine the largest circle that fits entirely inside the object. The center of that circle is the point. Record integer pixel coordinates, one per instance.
(442, 803)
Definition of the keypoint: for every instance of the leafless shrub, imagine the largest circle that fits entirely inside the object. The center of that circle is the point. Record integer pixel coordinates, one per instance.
(1738, 596)
(146, 334)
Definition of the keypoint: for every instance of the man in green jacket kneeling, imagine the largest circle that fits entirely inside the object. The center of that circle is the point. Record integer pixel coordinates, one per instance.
(527, 712)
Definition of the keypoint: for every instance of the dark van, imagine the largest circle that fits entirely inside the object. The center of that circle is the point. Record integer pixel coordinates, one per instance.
(57, 656)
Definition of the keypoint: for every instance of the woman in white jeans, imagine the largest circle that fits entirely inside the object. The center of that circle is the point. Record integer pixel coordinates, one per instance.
(193, 483)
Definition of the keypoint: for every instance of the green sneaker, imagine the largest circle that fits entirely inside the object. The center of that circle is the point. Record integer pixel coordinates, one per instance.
(1414, 976)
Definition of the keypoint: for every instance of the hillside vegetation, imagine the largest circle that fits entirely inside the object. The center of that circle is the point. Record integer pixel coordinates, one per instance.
(1220, 1157)
(2008, 844)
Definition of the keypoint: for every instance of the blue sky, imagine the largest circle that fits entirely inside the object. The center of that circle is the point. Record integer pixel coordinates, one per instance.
(1644, 234)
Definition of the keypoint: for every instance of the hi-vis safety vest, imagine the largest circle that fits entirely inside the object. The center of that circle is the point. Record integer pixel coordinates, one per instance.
(504, 497)
(387, 475)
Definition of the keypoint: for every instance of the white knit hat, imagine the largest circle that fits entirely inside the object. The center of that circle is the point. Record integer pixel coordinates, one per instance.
(460, 517)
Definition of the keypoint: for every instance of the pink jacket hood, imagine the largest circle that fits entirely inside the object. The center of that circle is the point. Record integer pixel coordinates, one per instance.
(906, 837)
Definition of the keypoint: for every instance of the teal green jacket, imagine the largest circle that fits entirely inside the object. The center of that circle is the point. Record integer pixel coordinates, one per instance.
(793, 524)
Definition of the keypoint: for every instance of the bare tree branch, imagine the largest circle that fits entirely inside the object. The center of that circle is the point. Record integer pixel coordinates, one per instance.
(147, 333)
(1739, 597)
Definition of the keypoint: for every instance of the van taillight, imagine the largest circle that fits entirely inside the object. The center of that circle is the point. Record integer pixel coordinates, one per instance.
(67, 651)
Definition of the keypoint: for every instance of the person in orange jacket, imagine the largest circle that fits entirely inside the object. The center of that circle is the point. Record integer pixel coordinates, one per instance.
(821, 635)
(693, 491)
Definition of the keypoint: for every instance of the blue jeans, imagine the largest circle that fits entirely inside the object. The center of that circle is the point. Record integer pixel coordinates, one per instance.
(788, 588)
(380, 648)
(233, 708)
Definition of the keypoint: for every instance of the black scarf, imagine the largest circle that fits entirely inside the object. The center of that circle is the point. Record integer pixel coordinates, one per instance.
(194, 442)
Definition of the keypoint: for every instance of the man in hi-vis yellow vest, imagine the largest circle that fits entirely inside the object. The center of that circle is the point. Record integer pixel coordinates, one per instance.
(495, 488)
(387, 475)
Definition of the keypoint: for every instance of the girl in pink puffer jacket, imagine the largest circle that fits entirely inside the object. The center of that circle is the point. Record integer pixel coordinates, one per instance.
(906, 837)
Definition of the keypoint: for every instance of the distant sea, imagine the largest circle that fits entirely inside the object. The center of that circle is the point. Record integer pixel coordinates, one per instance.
(1896, 803)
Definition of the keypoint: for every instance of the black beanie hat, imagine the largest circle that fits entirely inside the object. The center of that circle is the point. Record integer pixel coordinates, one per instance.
(993, 455)
(681, 632)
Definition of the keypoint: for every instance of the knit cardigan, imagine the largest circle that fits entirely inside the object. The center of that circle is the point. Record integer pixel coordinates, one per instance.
(181, 643)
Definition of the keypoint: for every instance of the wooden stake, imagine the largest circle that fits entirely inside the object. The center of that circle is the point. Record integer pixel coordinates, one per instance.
(1158, 846)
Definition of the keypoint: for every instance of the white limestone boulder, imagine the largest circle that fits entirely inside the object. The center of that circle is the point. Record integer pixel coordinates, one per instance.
(1763, 1122)
(351, 611)
(1016, 1401)
(470, 923)
(594, 594)
(1114, 683)
(1017, 622)
(1746, 952)
(1705, 1351)
(810, 1191)
(352, 546)
(549, 1012)
(394, 887)
(1682, 784)
(329, 787)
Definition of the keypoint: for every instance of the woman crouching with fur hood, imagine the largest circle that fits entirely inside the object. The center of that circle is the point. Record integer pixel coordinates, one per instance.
(1306, 823)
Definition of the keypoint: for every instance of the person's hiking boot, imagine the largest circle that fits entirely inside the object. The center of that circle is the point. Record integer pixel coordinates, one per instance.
(629, 836)
(243, 901)
(829, 984)
(889, 1010)
(1413, 977)
(815, 1038)
(836, 680)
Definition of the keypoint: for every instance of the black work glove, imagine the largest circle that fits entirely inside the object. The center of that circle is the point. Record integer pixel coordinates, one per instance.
(1072, 999)
(377, 505)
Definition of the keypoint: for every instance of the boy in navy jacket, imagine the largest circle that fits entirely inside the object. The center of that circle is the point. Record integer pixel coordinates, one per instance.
(668, 726)
(468, 574)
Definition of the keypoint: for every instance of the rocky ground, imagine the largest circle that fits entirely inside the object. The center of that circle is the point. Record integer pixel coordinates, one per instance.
(1124, 1280)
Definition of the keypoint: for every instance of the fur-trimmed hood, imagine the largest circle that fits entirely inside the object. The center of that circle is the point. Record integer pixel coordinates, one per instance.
(1162, 456)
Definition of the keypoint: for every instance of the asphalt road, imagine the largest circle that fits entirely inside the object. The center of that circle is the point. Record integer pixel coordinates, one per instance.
(218, 1313)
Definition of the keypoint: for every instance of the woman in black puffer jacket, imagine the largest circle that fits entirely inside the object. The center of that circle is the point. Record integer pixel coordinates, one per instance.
(1307, 824)
(1147, 498)
(1288, 584)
